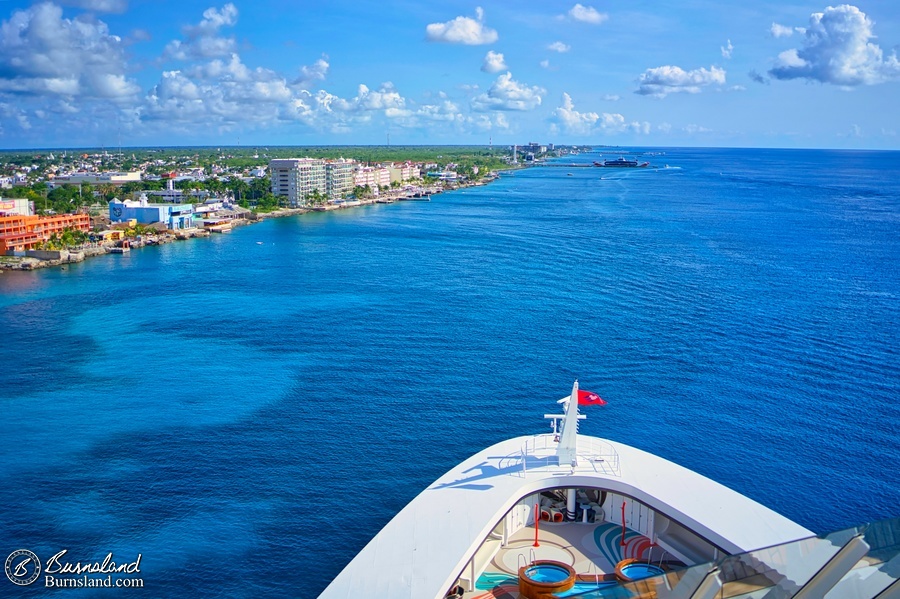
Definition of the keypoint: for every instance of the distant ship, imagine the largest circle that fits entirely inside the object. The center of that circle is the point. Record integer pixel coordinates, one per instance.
(622, 163)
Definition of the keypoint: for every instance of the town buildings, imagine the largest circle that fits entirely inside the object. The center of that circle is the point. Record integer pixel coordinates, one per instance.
(110, 178)
(403, 172)
(374, 177)
(16, 206)
(20, 233)
(174, 216)
(297, 178)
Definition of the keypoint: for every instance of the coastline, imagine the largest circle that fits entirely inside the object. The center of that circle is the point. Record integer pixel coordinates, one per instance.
(73, 256)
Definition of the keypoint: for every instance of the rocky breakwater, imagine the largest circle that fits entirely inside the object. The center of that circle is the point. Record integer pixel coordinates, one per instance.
(34, 259)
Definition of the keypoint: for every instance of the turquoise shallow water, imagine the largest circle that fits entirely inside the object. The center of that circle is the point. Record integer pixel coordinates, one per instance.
(247, 416)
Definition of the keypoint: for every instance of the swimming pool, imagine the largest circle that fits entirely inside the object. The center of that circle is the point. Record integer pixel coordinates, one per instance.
(547, 573)
(633, 569)
(545, 577)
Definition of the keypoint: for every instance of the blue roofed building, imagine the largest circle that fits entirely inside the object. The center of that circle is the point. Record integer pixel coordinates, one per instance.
(174, 216)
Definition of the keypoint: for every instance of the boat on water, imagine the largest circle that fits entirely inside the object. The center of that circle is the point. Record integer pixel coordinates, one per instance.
(622, 162)
(561, 515)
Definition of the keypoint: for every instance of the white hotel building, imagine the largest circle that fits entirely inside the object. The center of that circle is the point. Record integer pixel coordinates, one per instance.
(339, 178)
(296, 178)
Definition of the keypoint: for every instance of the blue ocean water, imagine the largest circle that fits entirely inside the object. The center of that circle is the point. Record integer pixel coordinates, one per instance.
(248, 415)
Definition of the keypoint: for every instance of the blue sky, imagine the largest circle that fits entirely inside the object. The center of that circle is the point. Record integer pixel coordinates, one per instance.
(278, 72)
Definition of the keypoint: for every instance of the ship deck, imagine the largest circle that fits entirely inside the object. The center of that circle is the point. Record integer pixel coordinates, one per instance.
(426, 547)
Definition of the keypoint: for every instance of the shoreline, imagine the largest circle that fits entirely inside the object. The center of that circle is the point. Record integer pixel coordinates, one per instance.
(74, 256)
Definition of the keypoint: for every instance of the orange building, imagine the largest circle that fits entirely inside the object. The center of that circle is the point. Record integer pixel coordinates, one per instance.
(19, 233)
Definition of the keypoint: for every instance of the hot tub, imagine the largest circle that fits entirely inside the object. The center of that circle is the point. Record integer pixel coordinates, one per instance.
(543, 578)
(631, 569)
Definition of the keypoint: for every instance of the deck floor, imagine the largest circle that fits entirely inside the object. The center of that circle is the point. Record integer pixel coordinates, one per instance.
(573, 543)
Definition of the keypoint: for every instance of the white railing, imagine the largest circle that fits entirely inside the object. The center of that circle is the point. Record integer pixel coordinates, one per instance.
(539, 451)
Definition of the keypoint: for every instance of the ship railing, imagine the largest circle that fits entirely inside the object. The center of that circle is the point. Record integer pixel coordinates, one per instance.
(861, 562)
(594, 455)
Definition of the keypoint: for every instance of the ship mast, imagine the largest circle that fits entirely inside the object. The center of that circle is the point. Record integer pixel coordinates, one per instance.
(567, 451)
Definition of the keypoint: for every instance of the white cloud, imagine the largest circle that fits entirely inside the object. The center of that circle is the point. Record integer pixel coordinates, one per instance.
(693, 129)
(585, 123)
(661, 81)
(587, 14)
(226, 95)
(491, 122)
(493, 62)
(462, 30)
(545, 64)
(781, 30)
(727, 50)
(508, 94)
(310, 75)
(837, 49)
(611, 98)
(572, 121)
(43, 54)
(559, 47)
(616, 123)
(203, 40)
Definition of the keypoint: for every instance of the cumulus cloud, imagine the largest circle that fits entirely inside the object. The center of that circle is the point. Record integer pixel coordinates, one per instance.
(226, 94)
(616, 123)
(508, 94)
(572, 121)
(781, 30)
(43, 54)
(462, 30)
(661, 81)
(559, 47)
(312, 74)
(727, 49)
(837, 49)
(203, 40)
(493, 62)
(545, 64)
(587, 14)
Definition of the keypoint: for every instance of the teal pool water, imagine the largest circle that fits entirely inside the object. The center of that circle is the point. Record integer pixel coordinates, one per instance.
(546, 573)
(638, 571)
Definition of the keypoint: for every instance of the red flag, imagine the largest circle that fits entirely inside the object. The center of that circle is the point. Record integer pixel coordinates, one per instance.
(589, 398)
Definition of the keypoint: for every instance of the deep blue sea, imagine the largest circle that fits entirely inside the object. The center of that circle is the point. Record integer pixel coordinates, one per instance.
(247, 411)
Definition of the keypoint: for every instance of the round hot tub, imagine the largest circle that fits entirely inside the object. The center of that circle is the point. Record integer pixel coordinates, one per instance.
(544, 578)
(631, 569)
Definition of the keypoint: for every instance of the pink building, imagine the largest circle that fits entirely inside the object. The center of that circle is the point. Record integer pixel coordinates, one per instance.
(371, 176)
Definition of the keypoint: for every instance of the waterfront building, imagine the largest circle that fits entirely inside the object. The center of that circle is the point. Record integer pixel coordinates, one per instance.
(339, 178)
(296, 178)
(20, 233)
(373, 177)
(110, 178)
(174, 216)
(403, 172)
(444, 175)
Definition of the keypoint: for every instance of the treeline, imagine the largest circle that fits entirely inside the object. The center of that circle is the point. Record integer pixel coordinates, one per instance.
(72, 197)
